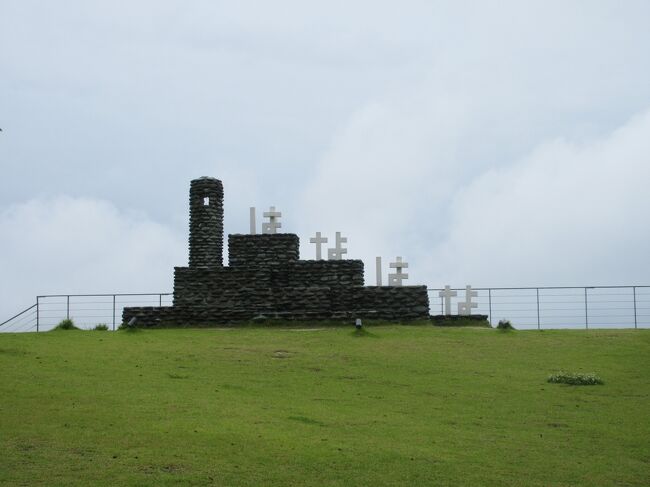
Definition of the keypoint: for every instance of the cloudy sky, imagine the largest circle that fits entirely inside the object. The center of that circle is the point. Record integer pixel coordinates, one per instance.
(493, 143)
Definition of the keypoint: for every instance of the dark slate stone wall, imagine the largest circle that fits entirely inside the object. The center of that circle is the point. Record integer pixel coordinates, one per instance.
(266, 250)
(206, 223)
(332, 273)
(302, 290)
(395, 303)
(229, 305)
(205, 286)
(149, 316)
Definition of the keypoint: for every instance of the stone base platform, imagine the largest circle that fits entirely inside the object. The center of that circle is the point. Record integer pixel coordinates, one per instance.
(291, 304)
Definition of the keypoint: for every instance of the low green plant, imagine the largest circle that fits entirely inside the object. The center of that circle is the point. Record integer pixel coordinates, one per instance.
(101, 327)
(66, 324)
(575, 378)
(505, 325)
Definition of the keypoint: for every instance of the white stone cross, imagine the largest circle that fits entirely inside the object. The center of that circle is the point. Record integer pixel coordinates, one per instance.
(337, 252)
(397, 278)
(378, 267)
(465, 307)
(319, 241)
(272, 225)
(447, 294)
(253, 223)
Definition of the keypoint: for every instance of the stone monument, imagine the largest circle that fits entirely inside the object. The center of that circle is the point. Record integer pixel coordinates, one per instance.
(266, 279)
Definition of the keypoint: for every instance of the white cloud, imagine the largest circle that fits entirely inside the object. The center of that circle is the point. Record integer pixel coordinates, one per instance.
(65, 245)
(399, 180)
(386, 169)
(570, 213)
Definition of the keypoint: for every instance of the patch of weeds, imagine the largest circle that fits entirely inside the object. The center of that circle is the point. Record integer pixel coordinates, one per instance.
(178, 376)
(172, 468)
(101, 327)
(66, 324)
(154, 469)
(575, 379)
(305, 420)
(505, 325)
(281, 354)
(12, 351)
(25, 447)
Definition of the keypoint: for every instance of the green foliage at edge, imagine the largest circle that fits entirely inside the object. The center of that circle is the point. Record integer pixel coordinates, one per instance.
(65, 324)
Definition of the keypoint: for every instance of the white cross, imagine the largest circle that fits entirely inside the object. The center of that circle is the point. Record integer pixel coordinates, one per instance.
(465, 307)
(337, 252)
(319, 241)
(378, 266)
(253, 224)
(447, 294)
(397, 278)
(272, 225)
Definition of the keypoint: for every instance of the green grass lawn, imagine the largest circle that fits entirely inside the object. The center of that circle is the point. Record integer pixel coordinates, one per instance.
(403, 405)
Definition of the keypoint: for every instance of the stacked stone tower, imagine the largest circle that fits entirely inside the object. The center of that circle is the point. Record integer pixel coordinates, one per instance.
(206, 222)
(266, 278)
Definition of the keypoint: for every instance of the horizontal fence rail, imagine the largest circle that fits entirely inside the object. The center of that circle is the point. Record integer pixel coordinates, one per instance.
(86, 310)
(556, 307)
(525, 307)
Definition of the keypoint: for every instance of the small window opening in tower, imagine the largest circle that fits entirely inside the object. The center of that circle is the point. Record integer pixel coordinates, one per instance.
(206, 201)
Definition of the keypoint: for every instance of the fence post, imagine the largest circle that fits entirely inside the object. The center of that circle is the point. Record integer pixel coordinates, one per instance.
(113, 312)
(490, 305)
(160, 300)
(538, 324)
(37, 313)
(67, 307)
(634, 295)
(586, 312)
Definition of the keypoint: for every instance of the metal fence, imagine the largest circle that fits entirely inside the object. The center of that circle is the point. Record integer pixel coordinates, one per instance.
(86, 310)
(557, 307)
(525, 307)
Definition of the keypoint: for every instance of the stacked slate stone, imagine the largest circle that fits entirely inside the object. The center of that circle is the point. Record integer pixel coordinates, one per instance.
(266, 250)
(206, 222)
(265, 279)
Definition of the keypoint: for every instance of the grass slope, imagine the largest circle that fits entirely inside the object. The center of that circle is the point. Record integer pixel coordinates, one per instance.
(399, 405)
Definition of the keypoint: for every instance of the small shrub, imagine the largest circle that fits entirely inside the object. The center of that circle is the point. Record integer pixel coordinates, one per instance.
(575, 379)
(66, 324)
(505, 325)
(101, 327)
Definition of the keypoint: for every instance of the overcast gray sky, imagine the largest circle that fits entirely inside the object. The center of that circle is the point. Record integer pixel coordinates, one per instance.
(487, 142)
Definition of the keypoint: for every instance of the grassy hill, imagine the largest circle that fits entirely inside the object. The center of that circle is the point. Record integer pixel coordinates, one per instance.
(399, 405)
